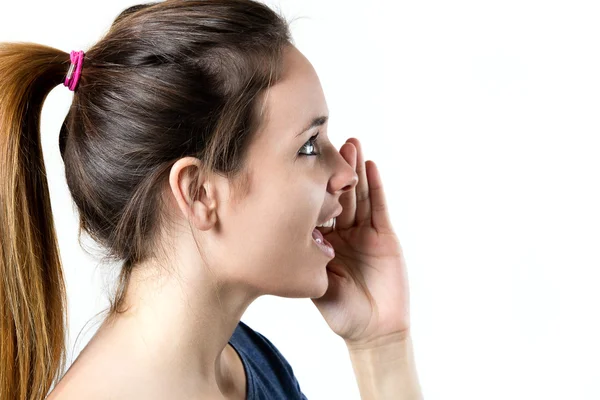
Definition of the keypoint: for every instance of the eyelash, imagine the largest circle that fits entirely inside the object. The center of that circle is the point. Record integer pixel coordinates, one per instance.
(312, 143)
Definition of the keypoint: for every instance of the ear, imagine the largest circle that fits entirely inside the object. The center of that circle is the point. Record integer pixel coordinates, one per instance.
(184, 179)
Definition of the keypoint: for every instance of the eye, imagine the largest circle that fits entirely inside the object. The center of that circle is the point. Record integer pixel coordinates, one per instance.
(310, 144)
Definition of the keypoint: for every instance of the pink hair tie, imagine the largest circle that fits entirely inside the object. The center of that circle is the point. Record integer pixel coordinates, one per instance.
(76, 64)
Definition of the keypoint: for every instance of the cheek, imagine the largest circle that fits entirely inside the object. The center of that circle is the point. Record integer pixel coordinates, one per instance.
(280, 212)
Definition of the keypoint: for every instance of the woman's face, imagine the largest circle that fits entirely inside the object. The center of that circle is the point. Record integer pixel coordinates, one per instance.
(265, 240)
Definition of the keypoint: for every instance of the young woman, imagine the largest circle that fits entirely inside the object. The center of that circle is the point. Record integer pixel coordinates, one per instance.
(196, 151)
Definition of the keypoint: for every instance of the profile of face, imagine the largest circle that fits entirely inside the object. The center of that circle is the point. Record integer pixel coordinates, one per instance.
(264, 242)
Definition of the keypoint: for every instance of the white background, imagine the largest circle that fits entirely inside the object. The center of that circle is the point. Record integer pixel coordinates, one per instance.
(483, 117)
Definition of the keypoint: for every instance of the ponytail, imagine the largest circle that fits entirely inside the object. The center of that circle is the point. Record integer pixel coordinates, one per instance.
(32, 291)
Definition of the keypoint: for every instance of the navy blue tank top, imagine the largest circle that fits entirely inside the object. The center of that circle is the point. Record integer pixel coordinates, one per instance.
(268, 374)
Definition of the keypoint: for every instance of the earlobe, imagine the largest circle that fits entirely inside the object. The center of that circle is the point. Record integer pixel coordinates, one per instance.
(204, 215)
(203, 205)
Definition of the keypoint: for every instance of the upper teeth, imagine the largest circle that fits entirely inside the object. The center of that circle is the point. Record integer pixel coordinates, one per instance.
(327, 224)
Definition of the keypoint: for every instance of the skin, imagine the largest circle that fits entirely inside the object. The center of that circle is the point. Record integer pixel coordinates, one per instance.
(172, 342)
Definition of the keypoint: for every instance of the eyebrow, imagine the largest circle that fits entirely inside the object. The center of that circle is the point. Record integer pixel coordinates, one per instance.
(317, 121)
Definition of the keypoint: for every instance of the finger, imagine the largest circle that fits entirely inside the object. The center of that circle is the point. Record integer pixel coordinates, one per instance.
(363, 203)
(347, 199)
(379, 212)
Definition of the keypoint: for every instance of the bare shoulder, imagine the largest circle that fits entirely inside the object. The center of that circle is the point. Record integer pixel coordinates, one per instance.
(97, 373)
(71, 388)
(103, 375)
(89, 384)
(83, 380)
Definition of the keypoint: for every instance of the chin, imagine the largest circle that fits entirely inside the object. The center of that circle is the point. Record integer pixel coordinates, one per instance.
(320, 287)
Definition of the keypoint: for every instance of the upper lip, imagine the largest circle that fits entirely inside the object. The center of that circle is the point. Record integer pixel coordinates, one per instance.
(332, 215)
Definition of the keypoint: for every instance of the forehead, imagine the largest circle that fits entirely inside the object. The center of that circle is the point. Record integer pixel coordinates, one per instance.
(296, 98)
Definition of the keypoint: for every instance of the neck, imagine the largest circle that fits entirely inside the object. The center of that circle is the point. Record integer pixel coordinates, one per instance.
(179, 326)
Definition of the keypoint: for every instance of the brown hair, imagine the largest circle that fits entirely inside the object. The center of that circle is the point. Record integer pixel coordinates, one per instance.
(168, 80)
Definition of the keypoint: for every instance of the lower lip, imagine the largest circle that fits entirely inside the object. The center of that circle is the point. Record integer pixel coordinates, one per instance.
(325, 246)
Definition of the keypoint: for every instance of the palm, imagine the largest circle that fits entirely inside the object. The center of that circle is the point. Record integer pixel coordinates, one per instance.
(368, 294)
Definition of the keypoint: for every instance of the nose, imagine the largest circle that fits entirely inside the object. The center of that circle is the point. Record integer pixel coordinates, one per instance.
(344, 177)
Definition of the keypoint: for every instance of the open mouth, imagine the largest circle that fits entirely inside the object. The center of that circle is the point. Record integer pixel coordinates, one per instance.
(324, 245)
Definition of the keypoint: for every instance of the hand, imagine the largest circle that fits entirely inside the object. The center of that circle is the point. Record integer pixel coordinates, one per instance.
(368, 299)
